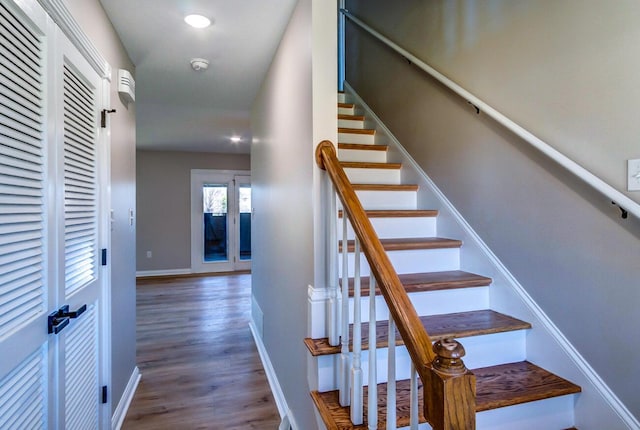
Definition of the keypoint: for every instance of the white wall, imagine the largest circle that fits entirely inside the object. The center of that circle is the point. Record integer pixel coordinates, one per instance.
(563, 241)
(95, 23)
(294, 108)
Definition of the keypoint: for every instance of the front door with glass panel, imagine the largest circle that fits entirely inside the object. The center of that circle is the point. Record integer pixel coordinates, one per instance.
(220, 221)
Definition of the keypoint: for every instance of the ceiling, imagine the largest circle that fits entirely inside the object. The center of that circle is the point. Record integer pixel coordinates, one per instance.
(177, 108)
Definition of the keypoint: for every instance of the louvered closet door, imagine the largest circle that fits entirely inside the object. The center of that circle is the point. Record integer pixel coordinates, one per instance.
(24, 275)
(79, 275)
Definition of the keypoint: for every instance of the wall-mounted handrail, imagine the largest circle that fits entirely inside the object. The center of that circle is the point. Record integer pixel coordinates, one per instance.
(613, 194)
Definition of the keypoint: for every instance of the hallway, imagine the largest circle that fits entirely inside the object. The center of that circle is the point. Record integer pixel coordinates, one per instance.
(199, 364)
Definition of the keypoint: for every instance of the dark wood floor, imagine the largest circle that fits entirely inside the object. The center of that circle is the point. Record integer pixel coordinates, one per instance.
(199, 364)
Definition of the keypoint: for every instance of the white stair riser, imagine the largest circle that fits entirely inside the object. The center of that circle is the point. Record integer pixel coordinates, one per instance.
(342, 97)
(362, 156)
(366, 139)
(412, 261)
(513, 343)
(350, 123)
(346, 111)
(373, 176)
(388, 228)
(554, 413)
(431, 303)
(388, 199)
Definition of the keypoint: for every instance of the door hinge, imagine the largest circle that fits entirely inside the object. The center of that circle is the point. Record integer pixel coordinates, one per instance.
(104, 256)
(104, 394)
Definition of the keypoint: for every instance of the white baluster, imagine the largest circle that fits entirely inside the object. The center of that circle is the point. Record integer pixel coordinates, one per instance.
(357, 406)
(372, 404)
(345, 361)
(332, 266)
(391, 376)
(414, 398)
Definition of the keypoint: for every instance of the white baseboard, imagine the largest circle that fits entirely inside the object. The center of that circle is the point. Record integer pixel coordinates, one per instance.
(170, 272)
(125, 401)
(286, 415)
(604, 406)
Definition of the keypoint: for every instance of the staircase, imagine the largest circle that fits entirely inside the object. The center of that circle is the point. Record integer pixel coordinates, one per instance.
(512, 393)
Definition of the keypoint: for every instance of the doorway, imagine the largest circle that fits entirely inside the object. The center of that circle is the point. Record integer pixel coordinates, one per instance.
(220, 221)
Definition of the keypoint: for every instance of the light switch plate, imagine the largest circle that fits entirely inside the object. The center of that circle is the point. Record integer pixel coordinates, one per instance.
(633, 175)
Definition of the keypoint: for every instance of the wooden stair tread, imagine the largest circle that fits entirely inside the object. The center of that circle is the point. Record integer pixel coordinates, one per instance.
(430, 281)
(356, 130)
(369, 165)
(395, 213)
(351, 117)
(455, 325)
(515, 383)
(346, 105)
(497, 386)
(410, 243)
(362, 147)
(384, 187)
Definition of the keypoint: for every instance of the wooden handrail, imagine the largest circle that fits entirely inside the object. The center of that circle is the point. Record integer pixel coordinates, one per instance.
(416, 338)
(449, 387)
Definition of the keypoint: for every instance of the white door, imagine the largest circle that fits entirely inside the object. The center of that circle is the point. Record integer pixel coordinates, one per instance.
(24, 259)
(78, 214)
(220, 221)
(50, 228)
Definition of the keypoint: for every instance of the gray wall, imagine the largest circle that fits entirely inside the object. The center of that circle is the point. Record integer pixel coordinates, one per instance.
(164, 204)
(293, 111)
(98, 28)
(282, 230)
(539, 63)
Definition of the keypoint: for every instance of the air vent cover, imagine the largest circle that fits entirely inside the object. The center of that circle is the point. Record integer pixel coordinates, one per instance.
(126, 85)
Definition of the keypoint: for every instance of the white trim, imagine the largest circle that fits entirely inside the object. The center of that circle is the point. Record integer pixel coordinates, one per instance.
(281, 402)
(318, 301)
(582, 173)
(125, 401)
(552, 330)
(168, 272)
(58, 11)
(104, 160)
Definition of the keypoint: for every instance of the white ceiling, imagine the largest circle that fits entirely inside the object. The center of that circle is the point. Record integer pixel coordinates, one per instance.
(178, 108)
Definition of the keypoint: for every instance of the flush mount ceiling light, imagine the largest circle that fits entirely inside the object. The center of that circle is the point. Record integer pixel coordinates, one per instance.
(199, 64)
(197, 21)
(235, 139)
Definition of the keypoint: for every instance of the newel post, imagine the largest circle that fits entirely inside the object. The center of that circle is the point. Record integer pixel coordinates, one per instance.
(449, 389)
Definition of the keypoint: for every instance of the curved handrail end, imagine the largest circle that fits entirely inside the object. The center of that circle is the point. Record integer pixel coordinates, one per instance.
(325, 144)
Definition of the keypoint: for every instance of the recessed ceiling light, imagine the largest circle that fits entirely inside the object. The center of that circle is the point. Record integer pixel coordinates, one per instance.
(235, 139)
(197, 21)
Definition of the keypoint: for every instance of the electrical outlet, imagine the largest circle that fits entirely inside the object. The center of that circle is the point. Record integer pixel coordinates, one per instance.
(149, 254)
(633, 175)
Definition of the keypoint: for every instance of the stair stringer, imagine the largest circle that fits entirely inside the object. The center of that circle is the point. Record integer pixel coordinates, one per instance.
(597, 406)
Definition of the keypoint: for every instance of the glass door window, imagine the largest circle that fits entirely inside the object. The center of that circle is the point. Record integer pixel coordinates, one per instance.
(244, 204)
(214, 208)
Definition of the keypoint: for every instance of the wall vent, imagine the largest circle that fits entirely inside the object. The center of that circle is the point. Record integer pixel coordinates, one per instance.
(126, 85)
